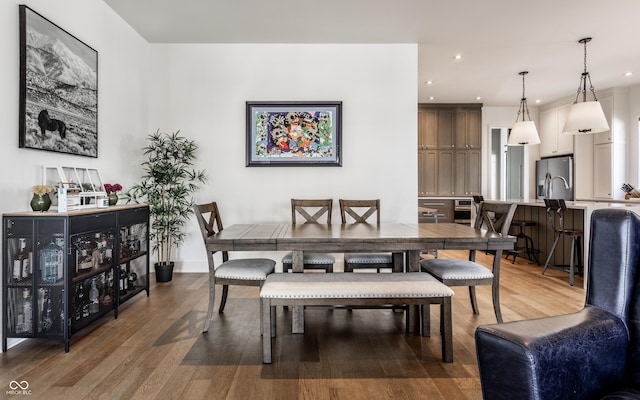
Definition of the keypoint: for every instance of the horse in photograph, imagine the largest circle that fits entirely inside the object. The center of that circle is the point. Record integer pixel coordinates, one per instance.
(47, 123)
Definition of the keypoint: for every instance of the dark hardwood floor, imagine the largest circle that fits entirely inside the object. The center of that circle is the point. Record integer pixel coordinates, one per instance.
(155, 349)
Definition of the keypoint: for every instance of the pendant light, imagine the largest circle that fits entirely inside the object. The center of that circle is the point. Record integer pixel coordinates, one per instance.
(523, 132)
(585, 117)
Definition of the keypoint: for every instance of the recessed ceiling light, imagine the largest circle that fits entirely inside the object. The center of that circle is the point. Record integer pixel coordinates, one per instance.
(431, 97)
(628, 74)
(538, 101)
(478, 98)
(457, 57)
(429, 82)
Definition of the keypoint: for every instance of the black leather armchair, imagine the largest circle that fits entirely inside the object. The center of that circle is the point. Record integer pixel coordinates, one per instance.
(591, 354)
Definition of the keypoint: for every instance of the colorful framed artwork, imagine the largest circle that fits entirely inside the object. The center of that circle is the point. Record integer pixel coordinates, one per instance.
(294, 133)
(58, 88)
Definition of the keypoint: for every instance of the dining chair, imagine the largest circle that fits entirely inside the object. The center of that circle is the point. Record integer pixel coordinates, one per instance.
(496, 217)
(359, 212)
(556, 209)
(243, 271)
(312, 211)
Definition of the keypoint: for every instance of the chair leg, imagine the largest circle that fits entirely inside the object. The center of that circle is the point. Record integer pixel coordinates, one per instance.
(212, 298)
(553, 248)
(426, 319)
(472, 297)
(572, 260)
(223, 301)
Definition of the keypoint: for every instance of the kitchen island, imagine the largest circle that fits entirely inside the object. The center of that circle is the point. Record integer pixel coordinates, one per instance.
(578, 216)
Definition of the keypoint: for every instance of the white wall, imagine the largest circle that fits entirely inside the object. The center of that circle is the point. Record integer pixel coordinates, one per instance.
(201, 89)
(633, 137)
(505, 117)
(122, 114)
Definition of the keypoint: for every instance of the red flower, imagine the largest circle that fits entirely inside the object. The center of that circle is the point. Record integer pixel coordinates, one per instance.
(112, 188)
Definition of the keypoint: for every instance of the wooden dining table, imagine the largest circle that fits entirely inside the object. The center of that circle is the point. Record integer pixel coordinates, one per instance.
(405, 240)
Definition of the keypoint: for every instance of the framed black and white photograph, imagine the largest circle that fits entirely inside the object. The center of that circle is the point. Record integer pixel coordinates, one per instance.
(58, 88)
(294, 133)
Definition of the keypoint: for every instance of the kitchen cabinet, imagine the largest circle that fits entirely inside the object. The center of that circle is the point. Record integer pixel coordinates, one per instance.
(427, 172)
(63, 271)
(602, 171)
(552, 141)
(441, 170)
(444, 209)
(467, 172)
(445, 171)
(427, 129)
(607, 136)
(468, 132)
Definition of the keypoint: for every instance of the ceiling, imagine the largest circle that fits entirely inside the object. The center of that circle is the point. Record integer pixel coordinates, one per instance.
(496, 38)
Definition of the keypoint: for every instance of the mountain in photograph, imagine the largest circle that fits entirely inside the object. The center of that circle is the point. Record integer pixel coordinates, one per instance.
(52, 58)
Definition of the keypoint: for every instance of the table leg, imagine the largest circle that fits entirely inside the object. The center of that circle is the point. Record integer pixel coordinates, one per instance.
(495, 287)
(413, 265)
(398, 262)
(297, 318)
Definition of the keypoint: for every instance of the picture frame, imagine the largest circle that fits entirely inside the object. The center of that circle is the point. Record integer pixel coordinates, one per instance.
(58, 88)
(300, 133)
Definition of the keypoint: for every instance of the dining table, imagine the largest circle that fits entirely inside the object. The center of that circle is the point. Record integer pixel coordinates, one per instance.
(405, 240)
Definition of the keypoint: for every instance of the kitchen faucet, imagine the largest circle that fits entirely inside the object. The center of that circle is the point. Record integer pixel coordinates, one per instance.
(548, 179)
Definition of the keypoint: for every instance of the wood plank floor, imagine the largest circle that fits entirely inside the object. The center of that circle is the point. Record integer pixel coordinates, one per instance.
(155, 349)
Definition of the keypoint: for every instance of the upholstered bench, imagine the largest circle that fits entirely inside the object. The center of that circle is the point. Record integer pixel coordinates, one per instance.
(414, 288)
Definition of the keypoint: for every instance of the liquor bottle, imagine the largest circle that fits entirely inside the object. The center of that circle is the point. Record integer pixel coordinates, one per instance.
(94, 306)
(80, 301)
(27, 310)
(60, 260)
(47, 318)
(21, 262)
(133, 277)
(85, 302)
(123, 281)
(51, 263)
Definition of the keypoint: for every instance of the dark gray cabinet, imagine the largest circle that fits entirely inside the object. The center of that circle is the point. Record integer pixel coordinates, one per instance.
(63, 271)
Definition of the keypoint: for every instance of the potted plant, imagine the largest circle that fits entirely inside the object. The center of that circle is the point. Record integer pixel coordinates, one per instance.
(41, 200)
(167, 185)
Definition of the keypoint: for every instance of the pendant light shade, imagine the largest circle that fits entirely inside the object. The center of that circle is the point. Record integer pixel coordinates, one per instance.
(523, 132)
(586, 117)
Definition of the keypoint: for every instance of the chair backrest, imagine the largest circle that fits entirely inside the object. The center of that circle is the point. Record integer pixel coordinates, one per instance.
(313, 211)
(495, 216)
(556, 207)
(477, 199)
(613, 281)
(359, 210)
(209, 224)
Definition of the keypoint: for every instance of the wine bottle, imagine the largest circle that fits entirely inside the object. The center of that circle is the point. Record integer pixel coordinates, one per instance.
(123, 281)
(94, 306)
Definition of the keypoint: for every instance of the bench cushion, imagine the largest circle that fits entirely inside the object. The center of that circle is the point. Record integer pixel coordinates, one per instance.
(364, 286)
(449, 270)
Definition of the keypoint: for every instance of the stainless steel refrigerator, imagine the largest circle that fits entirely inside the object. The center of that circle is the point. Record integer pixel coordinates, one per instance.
(554, 177)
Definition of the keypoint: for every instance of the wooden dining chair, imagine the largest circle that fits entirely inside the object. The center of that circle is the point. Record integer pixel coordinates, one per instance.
(313, 211)
(495, 217)
(244, 272)
(360, 212)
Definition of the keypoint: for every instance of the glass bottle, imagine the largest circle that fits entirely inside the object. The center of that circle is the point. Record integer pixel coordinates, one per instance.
(123, 281)
(50, 260)
(47, 319)
(80, 301)
(27, 310)
(94, 294)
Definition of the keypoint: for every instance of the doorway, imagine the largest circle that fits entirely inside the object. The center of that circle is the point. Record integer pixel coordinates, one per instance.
(507, 167)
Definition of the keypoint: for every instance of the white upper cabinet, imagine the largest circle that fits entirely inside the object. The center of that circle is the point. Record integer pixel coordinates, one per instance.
(552, 141)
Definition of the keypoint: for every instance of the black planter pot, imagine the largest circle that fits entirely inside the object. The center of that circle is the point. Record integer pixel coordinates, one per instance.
(164, 272)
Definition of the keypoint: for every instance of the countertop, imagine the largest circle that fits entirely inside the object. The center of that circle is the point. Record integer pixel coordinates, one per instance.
(579, 204)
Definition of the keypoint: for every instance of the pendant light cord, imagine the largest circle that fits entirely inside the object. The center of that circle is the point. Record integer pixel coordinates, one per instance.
(582, 86)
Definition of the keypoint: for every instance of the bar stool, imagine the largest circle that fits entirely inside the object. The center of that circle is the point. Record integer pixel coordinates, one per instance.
(528, 248)
(558, 207)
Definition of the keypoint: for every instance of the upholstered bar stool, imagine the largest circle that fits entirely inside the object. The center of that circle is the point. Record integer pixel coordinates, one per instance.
(555, 211)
